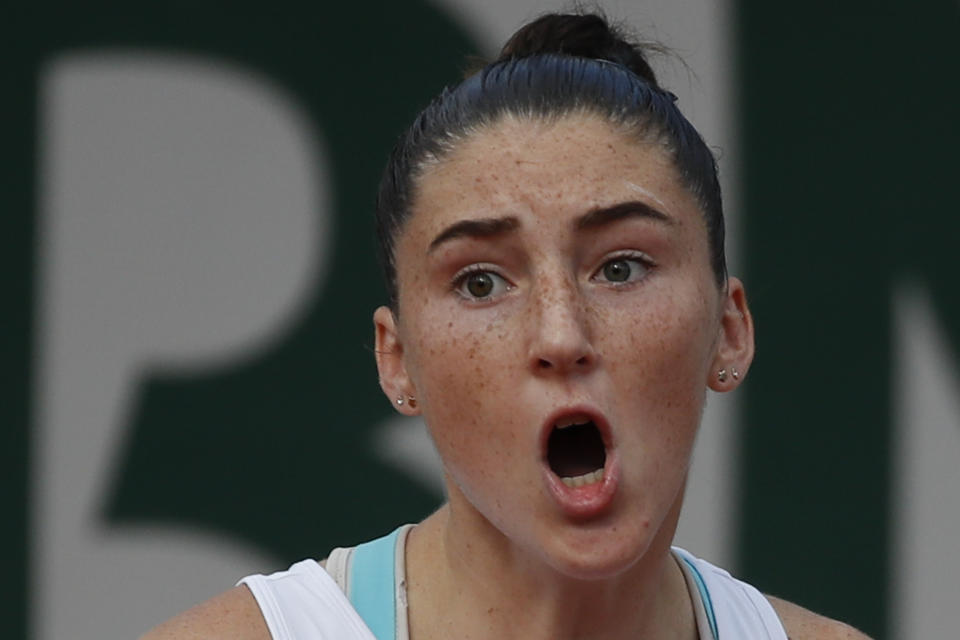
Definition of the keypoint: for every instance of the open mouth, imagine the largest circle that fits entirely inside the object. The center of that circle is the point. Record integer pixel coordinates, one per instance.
(575, 451)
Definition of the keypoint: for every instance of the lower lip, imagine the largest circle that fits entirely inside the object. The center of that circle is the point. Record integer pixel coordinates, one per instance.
(588, 501)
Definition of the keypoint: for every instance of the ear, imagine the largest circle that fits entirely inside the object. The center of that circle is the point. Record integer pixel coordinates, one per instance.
(388, 347)
(734, 351)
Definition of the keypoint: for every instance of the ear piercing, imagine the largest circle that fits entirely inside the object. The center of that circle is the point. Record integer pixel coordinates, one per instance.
(410, 400)
(722, 374)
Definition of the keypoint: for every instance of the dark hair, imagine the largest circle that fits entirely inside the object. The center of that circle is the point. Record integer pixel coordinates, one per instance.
(555, 66)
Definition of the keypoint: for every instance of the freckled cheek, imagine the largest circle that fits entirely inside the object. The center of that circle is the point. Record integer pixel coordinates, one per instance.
(655, 360)
(466, 390)
(654, 340)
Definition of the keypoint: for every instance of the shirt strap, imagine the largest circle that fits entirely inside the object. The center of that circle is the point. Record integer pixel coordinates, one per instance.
(702, 603)
(373, 584)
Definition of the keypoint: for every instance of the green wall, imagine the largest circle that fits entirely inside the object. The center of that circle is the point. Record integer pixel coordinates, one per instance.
(849, 160)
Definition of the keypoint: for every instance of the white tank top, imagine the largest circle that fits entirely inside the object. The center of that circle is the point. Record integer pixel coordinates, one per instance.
(362, 594)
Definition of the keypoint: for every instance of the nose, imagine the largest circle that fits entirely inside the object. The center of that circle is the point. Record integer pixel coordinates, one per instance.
(561, 341)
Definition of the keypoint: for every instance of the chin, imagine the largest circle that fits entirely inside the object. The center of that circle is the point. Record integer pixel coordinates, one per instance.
(598, 553)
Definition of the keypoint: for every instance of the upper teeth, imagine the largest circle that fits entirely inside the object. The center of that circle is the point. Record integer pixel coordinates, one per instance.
(570, 421)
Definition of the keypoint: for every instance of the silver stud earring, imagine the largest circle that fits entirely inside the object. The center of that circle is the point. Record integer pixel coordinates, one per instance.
(736, 374)
(399, 401)
(722, 375)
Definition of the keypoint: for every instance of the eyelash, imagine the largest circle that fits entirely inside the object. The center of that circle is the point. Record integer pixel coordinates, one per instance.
(460, 279)
(631, 256)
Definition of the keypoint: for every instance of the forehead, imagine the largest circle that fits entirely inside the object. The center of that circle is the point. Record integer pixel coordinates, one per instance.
(524, 167)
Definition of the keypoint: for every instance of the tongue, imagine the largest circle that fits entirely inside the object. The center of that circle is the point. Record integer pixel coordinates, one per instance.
(576, 450)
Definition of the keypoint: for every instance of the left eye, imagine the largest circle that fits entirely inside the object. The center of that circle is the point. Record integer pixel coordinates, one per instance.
(622, 269)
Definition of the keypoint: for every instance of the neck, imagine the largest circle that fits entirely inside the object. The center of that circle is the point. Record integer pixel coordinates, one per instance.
(466, 579)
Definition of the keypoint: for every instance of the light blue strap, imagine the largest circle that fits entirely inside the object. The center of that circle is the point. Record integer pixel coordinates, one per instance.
(372, 585)
(704, 597)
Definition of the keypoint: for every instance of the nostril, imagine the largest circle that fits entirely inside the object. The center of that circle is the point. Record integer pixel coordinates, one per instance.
(544, 363)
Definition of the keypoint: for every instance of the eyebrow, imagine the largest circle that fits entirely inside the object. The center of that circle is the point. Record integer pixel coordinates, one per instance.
(601, 216)
(481, 228)
(631, 209)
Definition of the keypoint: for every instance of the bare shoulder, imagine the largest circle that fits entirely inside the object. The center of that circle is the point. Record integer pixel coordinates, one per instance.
(232, 615)
(803, 624)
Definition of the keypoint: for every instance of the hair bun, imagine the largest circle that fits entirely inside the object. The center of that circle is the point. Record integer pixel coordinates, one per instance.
(581, 35)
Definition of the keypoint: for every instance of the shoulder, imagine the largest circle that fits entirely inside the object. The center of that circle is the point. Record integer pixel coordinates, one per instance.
(802, 624)
(232, 615)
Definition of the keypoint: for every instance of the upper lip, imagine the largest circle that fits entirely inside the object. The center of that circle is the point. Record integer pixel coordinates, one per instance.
(580, 411)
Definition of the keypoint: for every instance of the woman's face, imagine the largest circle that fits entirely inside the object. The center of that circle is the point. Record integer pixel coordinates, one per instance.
(558, 318)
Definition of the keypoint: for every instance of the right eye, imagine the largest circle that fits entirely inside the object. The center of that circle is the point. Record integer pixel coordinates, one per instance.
(480, 284)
